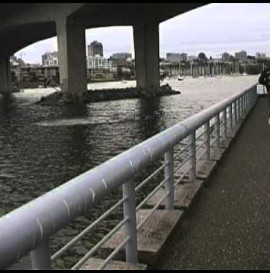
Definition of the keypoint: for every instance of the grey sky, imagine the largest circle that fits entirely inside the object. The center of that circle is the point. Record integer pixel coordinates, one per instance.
(213, 29)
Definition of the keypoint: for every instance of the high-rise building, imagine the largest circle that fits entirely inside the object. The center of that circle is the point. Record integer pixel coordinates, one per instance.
(242, 55)
(95, 49)
(50, 59)
(191, 58)
(260, 56)
(226, 56)
(173, 57)
(183, 57)
(122, 55)
(120, 59)
(98, 62)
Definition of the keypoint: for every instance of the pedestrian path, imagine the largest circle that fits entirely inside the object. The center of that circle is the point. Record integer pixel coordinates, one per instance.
(229, 225)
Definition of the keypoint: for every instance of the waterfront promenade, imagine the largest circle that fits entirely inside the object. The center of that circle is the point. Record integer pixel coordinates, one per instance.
(228, 226)
(228, 113)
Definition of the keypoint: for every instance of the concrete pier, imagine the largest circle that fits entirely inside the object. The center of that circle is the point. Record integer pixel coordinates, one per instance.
(146, 43)
(72, 54)
(5, 75)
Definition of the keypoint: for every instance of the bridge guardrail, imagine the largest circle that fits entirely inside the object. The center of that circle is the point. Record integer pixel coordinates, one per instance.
(28, 228)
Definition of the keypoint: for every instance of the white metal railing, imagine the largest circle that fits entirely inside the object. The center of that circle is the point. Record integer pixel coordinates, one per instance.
(29, 228)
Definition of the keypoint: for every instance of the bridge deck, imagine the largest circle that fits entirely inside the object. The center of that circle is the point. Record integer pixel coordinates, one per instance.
(229, 226)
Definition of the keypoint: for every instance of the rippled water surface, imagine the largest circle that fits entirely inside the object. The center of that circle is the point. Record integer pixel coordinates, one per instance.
(42, 147)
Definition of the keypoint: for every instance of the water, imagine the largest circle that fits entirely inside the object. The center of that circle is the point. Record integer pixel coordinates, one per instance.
(43, 147)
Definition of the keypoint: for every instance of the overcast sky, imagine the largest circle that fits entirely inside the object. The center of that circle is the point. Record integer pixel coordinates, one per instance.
(213, 29)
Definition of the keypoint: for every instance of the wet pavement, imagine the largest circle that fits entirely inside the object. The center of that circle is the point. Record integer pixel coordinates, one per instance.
(229, 226)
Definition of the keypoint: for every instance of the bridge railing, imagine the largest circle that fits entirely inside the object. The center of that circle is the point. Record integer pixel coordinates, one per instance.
(29, 228)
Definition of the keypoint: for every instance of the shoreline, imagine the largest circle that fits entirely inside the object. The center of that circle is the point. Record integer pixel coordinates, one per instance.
(97, 95)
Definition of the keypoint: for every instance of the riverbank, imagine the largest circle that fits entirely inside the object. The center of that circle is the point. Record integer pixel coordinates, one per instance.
(60, 98)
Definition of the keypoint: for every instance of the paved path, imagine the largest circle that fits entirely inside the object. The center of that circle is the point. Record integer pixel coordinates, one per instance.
(229, 226)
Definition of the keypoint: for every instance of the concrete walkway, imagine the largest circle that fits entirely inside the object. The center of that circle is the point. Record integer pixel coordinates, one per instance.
(229, 225)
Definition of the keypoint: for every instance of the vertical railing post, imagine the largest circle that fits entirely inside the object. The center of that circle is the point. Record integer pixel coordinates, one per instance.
(235, 114)
(225, 124)
(255, 95)
(249, 100)
(169, 175)
(244, 111)
(231, 117)
(245, 104)
(207, 139)
(241, 107)
(130, 226)
(237, 110)
(192, 172)
(40, 256)
(218, 130)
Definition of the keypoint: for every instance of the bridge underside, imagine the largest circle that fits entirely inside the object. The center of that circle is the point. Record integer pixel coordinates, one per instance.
(24, 24)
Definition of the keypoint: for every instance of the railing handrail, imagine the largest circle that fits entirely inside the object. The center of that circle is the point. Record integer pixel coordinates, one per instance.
(23, 229)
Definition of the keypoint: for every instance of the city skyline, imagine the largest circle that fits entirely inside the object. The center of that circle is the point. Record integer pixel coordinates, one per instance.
(191, 32)
(257, 55)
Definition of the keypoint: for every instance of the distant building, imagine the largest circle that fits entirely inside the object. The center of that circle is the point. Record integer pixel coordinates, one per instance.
(123, 56)
(183, 57)
(19, 61)
(242, 55)
(173, 57)
(226, 57)
(120, 59)
(35, 75)
(50, 59)
(260, 56)
(191, 58)
(98, 62)
(95, 49)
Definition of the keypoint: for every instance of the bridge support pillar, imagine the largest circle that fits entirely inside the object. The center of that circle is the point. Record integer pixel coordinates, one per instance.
(72, 56)
(146, 43)
(5, 75)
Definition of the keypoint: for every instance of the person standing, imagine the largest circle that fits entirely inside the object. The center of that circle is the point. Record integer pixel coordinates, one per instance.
(264, 79)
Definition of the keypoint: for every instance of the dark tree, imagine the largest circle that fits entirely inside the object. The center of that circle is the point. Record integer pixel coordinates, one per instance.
(202, 57)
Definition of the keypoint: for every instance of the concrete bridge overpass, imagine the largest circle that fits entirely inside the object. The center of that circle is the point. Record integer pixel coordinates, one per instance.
(24, 24)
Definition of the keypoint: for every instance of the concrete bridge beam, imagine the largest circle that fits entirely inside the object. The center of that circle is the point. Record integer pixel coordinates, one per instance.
(72, 56)
(146, 43)
(5, 75)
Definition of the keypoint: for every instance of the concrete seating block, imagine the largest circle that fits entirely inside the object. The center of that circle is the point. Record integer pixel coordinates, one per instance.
(225, 143)
(235, 130)
(216, 153)
(152, 236)
(204, 169)
(184, 195)
(95, 263)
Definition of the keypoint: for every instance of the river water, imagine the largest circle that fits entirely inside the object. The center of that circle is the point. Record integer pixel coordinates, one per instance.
(42, 146)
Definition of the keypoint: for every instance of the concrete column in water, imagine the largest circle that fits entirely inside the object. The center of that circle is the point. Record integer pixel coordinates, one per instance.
(146, 43)
(72, 56)
(5, 75)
